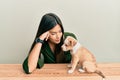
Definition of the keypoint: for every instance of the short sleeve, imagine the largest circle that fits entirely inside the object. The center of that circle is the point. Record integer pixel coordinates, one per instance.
(69, 34)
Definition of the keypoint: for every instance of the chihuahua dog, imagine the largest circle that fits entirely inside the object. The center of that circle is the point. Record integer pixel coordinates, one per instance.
(82, 56)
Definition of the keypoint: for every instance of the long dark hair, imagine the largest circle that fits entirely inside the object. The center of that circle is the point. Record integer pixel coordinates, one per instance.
(49, 21)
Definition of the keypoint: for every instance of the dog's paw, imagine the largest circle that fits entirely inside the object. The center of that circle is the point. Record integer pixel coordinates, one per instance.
(70, 71)
(103, 79)
(81, 70)
(69, 65)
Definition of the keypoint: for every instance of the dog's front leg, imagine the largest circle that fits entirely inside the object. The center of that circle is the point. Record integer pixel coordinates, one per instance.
(70, 65)
(81, 68)
(73, 65)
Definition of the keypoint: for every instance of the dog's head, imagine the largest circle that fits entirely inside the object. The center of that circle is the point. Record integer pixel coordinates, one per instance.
(69, 43)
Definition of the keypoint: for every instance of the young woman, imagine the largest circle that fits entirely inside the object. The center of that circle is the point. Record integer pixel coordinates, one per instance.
(46, 47)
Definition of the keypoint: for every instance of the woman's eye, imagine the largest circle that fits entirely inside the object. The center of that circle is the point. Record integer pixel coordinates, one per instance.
(53, 34)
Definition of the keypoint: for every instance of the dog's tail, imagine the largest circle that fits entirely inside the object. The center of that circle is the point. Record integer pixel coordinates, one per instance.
(100, 73)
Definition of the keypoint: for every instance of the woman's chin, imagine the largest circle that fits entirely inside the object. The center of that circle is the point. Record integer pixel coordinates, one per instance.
(57, 42)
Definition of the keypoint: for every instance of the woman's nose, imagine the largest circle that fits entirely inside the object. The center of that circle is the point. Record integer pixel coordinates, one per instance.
(58, 36)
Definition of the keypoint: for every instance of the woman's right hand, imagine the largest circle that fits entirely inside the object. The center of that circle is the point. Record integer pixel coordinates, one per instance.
(44, 36)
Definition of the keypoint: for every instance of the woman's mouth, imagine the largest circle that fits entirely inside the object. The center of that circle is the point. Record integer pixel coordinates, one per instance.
(57, 40)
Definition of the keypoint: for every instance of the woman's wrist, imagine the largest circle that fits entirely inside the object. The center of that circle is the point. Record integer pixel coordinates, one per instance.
(38, 40)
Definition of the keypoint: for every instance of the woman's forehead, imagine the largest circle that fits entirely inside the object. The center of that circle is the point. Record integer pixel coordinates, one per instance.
(55, 29)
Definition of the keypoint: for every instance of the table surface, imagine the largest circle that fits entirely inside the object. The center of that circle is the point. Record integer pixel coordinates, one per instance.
(58, 72)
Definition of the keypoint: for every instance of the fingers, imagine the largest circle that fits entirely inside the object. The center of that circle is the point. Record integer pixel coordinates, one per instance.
(47, 36)
(44, 36)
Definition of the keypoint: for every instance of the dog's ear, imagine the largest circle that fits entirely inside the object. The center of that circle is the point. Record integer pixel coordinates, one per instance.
(71, 41)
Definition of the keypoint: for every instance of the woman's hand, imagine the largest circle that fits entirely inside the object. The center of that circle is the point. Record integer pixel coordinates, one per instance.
(44, 36)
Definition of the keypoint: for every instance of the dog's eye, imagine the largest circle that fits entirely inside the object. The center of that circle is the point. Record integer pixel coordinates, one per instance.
(66, 45)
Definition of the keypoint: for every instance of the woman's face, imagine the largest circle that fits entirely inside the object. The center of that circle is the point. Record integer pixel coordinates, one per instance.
(55, 34)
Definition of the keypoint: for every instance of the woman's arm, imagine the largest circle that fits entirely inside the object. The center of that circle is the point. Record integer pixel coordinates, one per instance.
(33, 57)
(35, 52)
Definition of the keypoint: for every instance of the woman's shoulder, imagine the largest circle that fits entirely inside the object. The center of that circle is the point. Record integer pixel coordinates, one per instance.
(69, 34)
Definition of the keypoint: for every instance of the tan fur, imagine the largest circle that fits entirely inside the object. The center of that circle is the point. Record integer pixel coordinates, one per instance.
(82, 56)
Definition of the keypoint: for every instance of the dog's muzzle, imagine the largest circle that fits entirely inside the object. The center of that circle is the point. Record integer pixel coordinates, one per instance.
(63, 48)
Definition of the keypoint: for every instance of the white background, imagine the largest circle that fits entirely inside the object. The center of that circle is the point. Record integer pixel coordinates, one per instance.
(96, 24)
